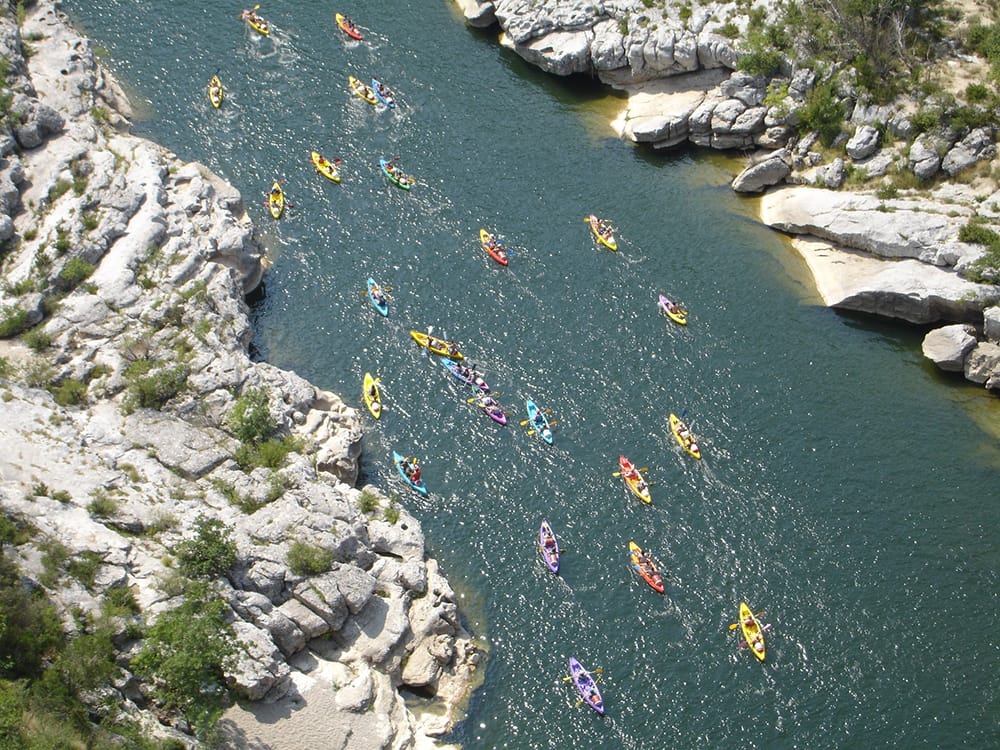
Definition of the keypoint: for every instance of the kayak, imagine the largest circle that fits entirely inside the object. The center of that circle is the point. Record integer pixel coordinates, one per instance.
(215, 91)
(606, 238)
(493, 247)
(684, 436)
(400, 462)
(538, 422)
(396, 177)
(674, 311)
(276, 200)
(361, 90)
(456, 369)
(642, 565)
(255, 22)
(437, 346)
(372, 395)
(325, 167)
(586, 686)
(347, 26)
(633, 480)
(753, 633)
(489, 405)
(383, 306)
(548, 547)
(383, 94)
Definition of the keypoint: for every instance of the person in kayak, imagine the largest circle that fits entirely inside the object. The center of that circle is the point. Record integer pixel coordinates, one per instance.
(378, 295)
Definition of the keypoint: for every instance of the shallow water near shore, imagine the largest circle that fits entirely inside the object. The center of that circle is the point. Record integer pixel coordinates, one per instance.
(848, 489)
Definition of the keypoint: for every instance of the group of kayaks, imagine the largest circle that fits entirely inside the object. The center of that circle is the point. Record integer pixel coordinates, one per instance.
(452, 359)
(374, 94)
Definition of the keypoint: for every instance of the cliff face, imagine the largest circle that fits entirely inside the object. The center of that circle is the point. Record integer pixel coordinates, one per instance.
(125, 272)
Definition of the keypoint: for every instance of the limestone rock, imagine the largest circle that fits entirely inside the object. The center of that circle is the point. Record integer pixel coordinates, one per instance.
(991, 324)
(982, 365)
(770, 171)
(976, 146)
(947, 346)
(863, 143)
(924, 159)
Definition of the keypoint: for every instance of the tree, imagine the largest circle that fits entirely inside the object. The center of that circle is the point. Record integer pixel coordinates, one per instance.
(186, 653)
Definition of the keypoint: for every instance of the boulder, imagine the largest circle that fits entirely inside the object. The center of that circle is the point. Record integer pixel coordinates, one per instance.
(976, 146)
(991, 324)
(863, 143)
(982, 365)
(259, 668)
(478, 15)
(924, 159)
(757, 178)
(947, 346)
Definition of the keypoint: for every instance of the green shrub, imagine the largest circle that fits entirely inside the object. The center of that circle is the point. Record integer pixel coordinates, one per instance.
(306, 559)
(368, 502)
(978, 233)
(211, 552)
(270, 454)
(120, 600)
(69, 392)
(29, 625)
(185, 656)
(728, 29)
(6, 369)
(250, 419)
(391, 514)
(89, 220)
(975, 93)
(13, 320)
(37, 339)
(59, 189)
(54, 556)
(102, 505)
(73, 273)
(762, 62)
(152, 384)
(822, 113)
(84, 567)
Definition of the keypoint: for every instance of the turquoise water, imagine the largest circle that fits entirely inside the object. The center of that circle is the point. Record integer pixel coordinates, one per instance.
(847, 489)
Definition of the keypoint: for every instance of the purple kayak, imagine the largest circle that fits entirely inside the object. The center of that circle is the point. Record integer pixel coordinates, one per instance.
(586, 686)
(548, 547)
(489, 405)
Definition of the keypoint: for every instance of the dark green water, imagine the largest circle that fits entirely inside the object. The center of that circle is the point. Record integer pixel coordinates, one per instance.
(847, 488)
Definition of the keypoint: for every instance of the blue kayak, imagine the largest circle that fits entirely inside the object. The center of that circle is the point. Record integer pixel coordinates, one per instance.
(401, 464)
(538, 422)
(383, 306)
(455, 369)
(383, 94)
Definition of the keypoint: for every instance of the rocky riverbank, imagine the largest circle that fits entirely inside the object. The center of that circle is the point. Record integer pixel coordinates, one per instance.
(872, 247)
(124, 352)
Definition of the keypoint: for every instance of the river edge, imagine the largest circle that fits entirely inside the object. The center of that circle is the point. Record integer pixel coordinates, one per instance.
(168, 253)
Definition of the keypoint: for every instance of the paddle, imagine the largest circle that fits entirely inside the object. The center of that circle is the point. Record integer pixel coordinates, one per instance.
(618, 473)
(735, 625)
(551, 424)
(569, 678)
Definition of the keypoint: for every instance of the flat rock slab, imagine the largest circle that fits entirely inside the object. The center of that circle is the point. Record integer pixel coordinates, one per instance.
(657, 111)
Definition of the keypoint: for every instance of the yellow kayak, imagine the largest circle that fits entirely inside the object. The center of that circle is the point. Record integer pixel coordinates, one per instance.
(215, 91)
(276, 200)
(255, 22)
(633, 480)
(753, 633)
(683, 436)
(602, 233)
(325, 167)
(674, 311)
(436, 345)
(372, 396)
(362, 89)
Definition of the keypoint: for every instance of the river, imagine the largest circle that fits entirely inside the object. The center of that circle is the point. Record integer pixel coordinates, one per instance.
(848, 489)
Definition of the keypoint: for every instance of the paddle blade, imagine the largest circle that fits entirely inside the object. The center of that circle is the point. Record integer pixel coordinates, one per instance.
(523, 422)
(734, 626)
(616, 473)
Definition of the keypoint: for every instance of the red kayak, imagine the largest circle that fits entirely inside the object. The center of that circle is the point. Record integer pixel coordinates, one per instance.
(347, 26)
(492, 246)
